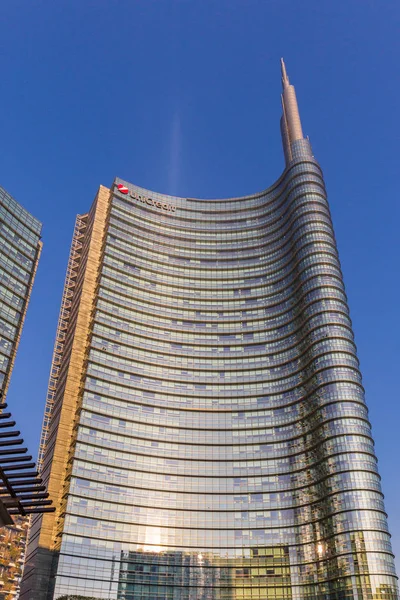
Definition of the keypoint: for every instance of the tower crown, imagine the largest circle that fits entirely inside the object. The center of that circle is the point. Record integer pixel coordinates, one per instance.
(291, 128)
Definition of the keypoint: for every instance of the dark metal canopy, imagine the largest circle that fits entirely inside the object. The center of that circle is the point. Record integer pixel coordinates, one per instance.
(21, 489)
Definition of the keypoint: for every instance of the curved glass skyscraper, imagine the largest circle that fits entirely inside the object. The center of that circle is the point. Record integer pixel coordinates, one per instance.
(208, 436)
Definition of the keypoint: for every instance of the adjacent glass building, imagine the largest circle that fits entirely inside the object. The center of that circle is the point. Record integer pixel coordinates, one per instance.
(208, 437)
(20, 249)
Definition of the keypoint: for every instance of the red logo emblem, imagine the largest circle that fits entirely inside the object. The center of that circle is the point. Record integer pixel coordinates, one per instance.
(122, 188)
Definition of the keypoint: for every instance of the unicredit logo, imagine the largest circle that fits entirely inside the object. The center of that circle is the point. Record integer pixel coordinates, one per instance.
(145, 200)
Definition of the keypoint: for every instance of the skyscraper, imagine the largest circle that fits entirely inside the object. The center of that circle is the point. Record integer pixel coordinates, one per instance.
(208, 436)
(20, 248)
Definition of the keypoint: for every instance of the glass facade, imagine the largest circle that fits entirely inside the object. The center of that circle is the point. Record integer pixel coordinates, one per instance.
(20, 248)
(219, 446)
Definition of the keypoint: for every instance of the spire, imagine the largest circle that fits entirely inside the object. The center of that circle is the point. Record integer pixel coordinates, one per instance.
(285, 78)
(290, 123)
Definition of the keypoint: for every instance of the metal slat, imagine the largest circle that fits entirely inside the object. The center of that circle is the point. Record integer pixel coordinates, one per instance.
(34, 503)
(14, 459)
(39, 488)
(25, 482)
(24, 498)
(27, 474)
(31, 511)
(12, 451)
(5, 434)
(41, 496)
(17, 467)
(11, 442)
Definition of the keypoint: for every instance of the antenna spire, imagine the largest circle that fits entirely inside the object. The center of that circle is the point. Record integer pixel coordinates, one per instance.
(285, 78)
(292, 132)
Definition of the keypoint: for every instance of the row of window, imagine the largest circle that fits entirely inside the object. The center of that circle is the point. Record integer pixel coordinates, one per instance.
(314, 213)
(277, 209)
(19, 218)
(154, 537)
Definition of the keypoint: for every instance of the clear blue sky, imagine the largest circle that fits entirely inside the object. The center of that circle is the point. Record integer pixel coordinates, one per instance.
(183, 97)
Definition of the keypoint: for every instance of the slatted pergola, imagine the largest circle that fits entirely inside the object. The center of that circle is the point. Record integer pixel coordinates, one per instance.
(21, 489)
